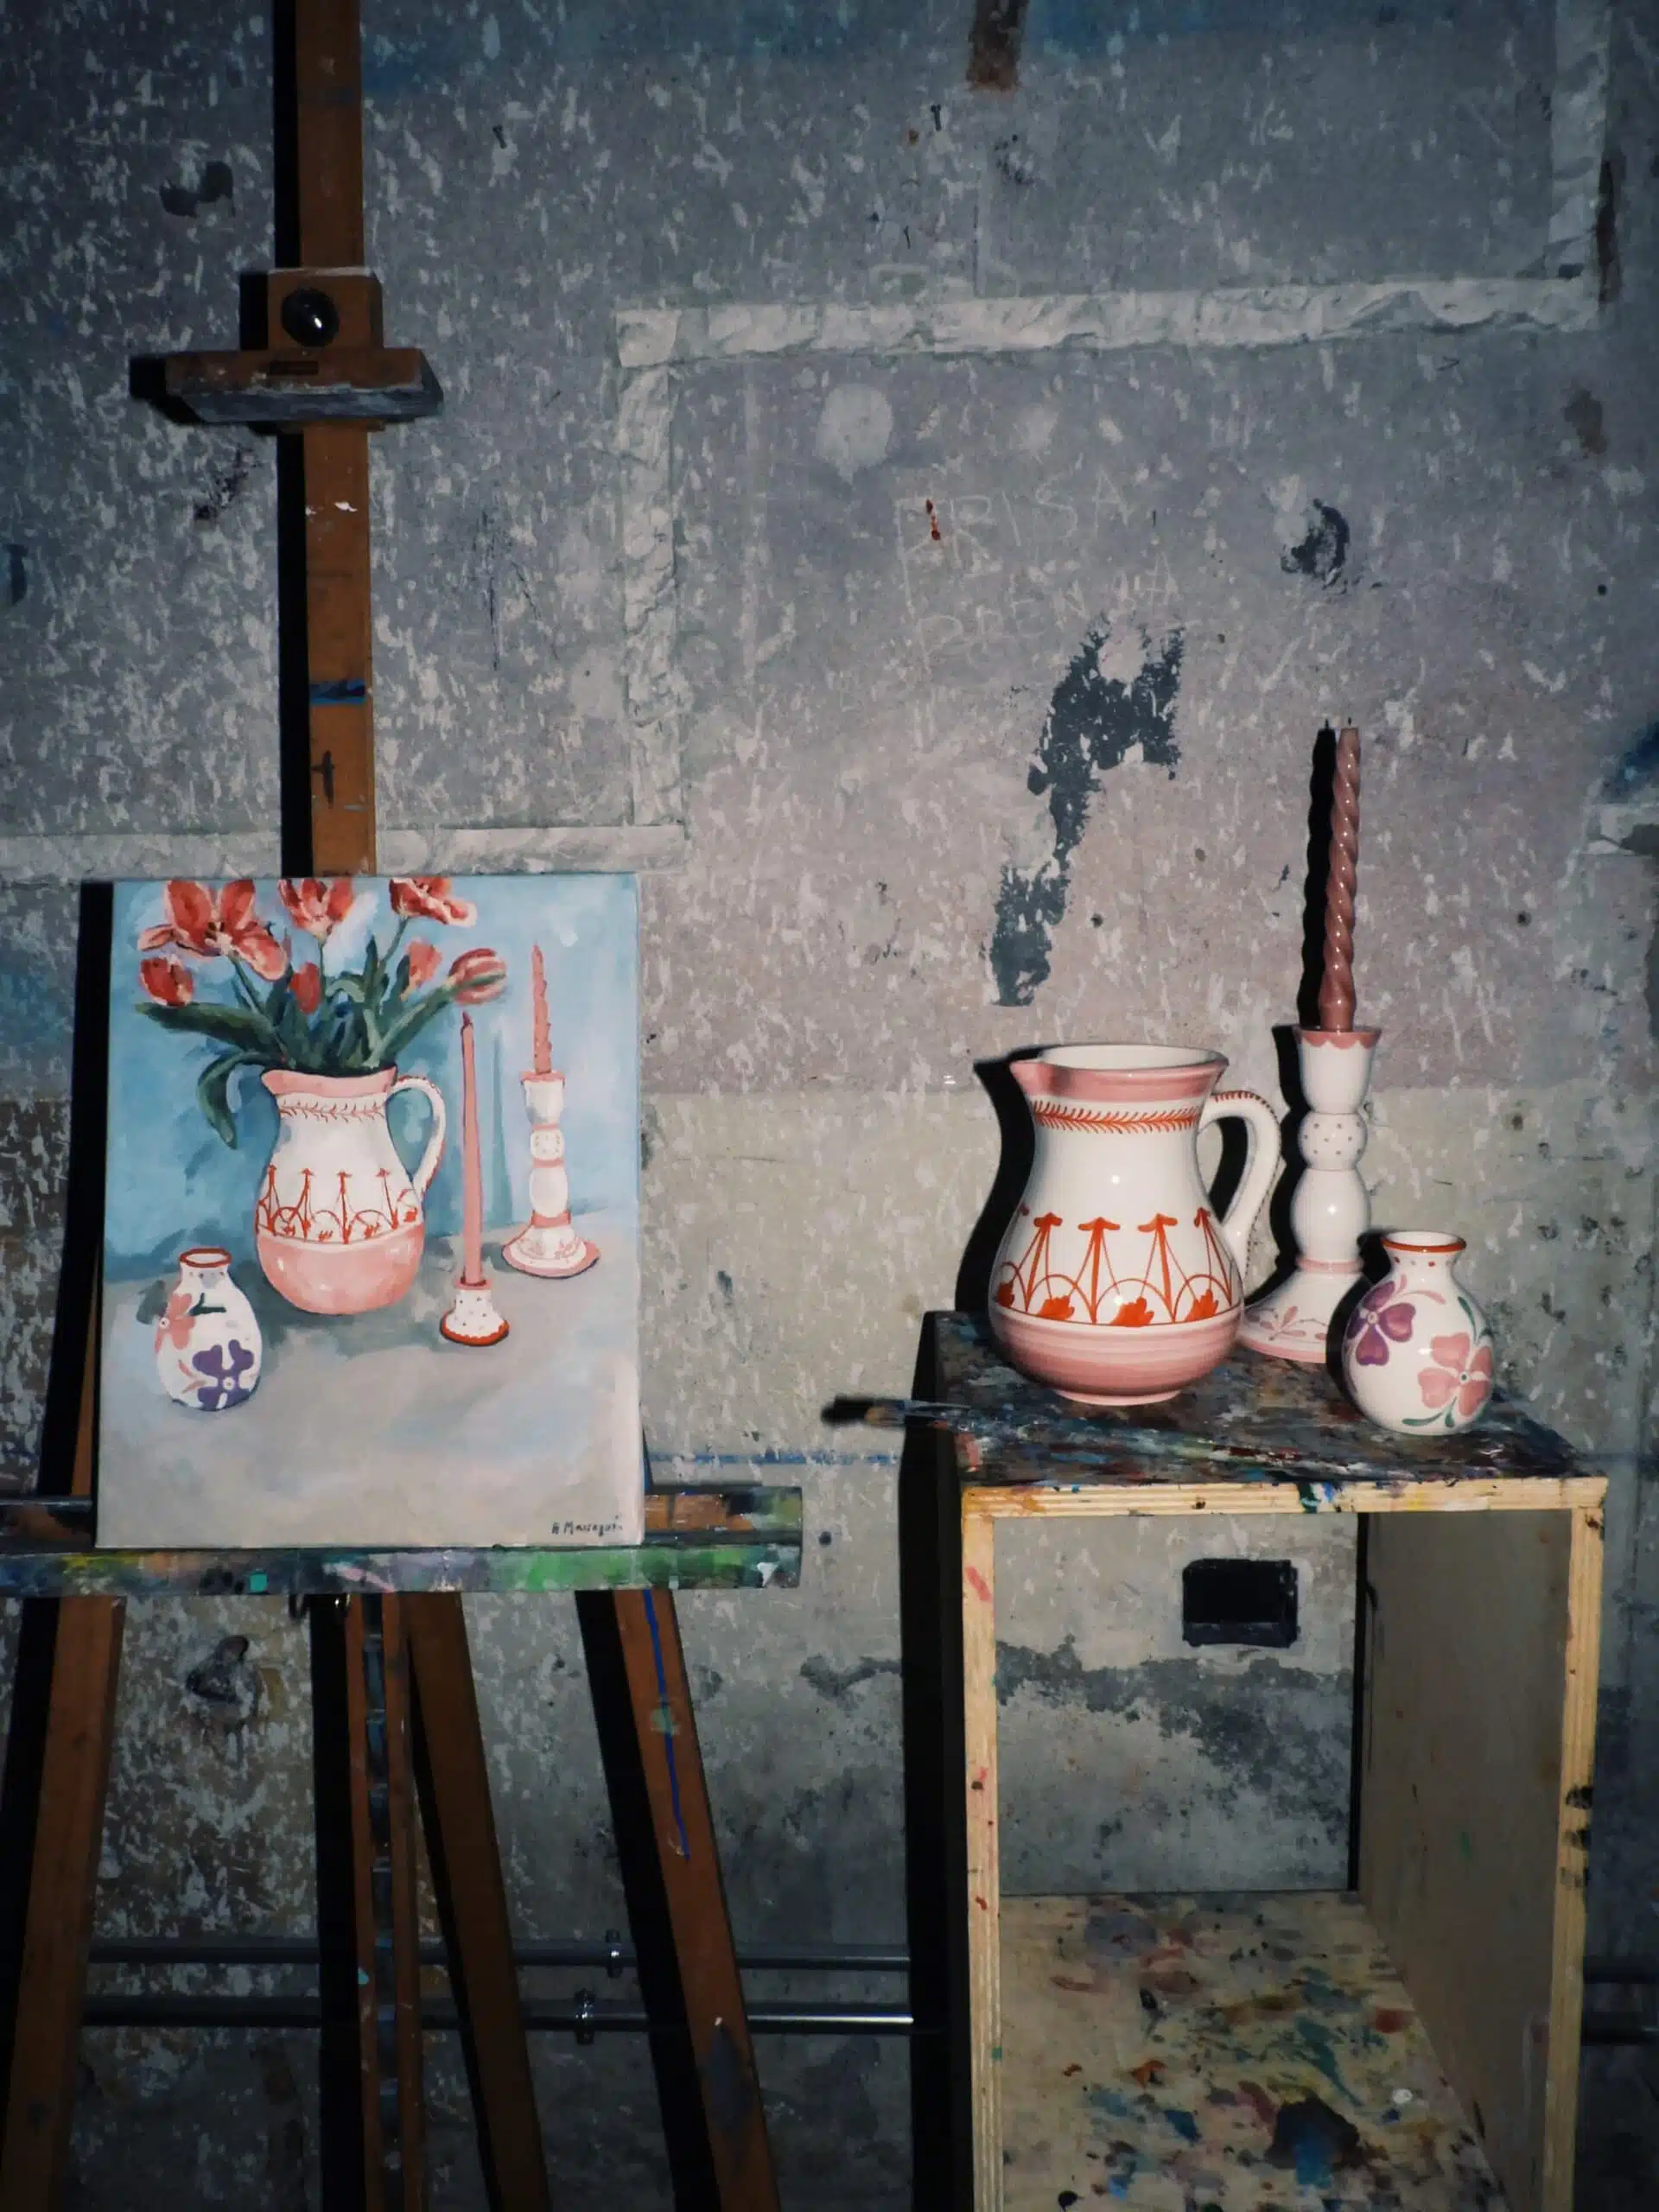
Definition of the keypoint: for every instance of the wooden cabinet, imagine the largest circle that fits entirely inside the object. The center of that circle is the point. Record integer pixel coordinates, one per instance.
(1419, 2037)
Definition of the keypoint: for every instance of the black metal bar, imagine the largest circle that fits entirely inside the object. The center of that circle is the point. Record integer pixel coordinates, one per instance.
(160, 1951)
(147, 2010)
(1630, 1974)
(1630, 2028)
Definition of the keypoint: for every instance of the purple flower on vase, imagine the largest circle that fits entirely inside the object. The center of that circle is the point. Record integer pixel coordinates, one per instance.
(224, 1365)
(1379, 1319)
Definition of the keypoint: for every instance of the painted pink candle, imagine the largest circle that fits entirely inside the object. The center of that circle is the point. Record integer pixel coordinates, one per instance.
(543, 1061)
(1337, 976)
(472, 1174)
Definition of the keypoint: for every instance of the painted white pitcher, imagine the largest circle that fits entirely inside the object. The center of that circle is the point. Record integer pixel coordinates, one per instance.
(1115, 1281)
(339, 1225)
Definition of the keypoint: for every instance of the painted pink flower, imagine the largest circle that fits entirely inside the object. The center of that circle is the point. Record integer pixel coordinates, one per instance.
(213, 923)
(174, 1326)
(317, 907)
(168, 980)
(305, 983)
(478, 976)
(1456, 1374)
(424, 961)
(1380, 1319)
(429, 898)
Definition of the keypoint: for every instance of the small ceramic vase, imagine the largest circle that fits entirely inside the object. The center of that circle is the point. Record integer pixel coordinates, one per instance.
(208, 1351)
(1417, 1353)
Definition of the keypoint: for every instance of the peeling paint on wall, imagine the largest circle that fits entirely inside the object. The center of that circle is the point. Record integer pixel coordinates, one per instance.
(1115, 703)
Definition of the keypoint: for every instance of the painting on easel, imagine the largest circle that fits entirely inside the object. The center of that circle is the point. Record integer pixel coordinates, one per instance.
(372, 1269)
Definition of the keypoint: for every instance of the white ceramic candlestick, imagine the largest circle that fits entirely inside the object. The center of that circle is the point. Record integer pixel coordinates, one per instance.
(548, 1245)
(1330, 1211)
(473, 1319)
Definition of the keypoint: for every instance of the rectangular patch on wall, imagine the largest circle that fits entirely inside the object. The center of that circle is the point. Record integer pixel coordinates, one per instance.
(372, 1271)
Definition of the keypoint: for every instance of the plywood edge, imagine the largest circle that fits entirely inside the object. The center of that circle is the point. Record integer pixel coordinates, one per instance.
(1470, 1494)
(984, 1870)
(1572, 1857)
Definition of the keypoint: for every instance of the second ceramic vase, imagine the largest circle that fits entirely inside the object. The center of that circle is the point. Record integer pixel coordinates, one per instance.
(1115, 1282)
(1417, 1353)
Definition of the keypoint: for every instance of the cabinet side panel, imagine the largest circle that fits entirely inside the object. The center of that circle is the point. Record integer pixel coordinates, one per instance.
(1472, 1825)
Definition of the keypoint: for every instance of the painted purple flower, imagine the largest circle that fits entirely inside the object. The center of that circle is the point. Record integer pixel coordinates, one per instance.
(224, 1365)
(1379, 1319)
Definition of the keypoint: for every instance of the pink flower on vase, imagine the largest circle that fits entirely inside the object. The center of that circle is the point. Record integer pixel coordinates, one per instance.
(216, 923)
(1456, 1374)
(424, 961)
(1380, 1319)
(477, 975)
(305, 983)
(174, 1323)
(317, 907)
(166, 980)
(429, 898)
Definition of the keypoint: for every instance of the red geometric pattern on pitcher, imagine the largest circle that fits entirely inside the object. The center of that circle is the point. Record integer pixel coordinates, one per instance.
(305, 1223)
(1163, 1291)
(1055, 1113)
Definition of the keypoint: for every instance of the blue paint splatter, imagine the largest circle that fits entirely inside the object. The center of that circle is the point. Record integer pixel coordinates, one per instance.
(1183, 2124)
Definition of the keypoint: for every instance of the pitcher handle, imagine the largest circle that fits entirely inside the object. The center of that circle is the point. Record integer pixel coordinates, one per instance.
(428, 1167)
(1263, 1124)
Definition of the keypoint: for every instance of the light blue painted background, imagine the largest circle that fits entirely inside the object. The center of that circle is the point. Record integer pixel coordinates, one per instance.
(173, 1183)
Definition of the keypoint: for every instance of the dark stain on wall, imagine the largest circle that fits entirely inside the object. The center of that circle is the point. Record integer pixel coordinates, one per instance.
(1323, 553)
(16, 574)
(993, 45)
(215, 183)
(837, 1683)
(226, 487)
(1265, 1725)
(1583, 412)
(1092, 724)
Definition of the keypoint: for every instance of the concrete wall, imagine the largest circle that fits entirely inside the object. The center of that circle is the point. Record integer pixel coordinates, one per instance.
(881, 508)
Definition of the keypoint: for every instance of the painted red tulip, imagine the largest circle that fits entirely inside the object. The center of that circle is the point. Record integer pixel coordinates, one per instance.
(166, 980)
(477, 976)
(429, 898)
(424, 961)
(212, 924)
(317, 907)
(305, 983)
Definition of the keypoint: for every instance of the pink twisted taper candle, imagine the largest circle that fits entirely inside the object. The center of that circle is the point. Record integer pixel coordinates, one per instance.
(541, 1061)
(1337, 978)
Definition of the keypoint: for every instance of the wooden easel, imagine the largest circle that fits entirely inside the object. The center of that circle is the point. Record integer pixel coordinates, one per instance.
(396, 1715)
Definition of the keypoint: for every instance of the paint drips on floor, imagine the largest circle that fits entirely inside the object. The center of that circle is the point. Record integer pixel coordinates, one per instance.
(1279, 2061)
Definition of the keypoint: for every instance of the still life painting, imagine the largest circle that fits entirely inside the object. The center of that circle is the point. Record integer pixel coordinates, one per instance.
(371, 1258)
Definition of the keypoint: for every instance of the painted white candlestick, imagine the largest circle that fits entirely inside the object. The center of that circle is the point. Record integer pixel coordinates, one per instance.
(548, 1245)
(1330, 1211)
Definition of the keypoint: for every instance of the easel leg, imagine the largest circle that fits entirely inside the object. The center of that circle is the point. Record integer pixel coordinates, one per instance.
(374, 2144)
(461, 1841)
(65, 1817)
(712, 2112)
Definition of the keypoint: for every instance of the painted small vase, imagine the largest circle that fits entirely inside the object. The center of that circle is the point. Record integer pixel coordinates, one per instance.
(208, 1351)
(1115, 1282)
(1417, 1353)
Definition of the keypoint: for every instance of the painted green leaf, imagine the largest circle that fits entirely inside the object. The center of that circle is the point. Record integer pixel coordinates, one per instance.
(213, 1091)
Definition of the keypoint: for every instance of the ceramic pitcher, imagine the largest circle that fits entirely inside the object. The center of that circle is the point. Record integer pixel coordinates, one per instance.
(339, 1225)
(1115, 1281)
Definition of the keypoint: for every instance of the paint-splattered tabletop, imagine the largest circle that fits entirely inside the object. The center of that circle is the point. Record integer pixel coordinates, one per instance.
(1251, 1420)
(1232, 2053)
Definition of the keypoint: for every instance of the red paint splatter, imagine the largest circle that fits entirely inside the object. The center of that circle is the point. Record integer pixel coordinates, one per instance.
(977, 1584)
(1388, 2019)
(933, 529)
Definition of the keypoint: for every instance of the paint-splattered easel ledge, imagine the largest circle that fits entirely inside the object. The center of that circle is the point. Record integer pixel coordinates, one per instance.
(701, 1539)
(1250, 1423)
